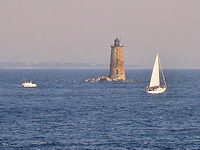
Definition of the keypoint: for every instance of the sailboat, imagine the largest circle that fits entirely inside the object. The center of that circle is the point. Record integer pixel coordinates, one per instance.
(154, 86)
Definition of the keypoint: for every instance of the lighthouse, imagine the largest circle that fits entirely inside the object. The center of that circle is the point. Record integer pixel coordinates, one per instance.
(117, 71)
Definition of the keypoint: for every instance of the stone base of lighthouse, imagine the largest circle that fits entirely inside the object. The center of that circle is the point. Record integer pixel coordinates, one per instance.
(107, 79)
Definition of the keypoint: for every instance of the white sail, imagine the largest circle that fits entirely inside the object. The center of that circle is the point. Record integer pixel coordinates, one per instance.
(155, 77)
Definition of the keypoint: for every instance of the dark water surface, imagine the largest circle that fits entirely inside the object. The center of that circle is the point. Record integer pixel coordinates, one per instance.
(64, 112)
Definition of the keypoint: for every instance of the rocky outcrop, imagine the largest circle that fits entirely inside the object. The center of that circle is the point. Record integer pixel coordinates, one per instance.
(106, 79)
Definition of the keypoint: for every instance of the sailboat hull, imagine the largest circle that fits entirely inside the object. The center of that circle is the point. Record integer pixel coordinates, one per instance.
(157, 91)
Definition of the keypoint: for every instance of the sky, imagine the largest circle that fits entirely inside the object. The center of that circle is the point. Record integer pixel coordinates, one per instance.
(81, 31)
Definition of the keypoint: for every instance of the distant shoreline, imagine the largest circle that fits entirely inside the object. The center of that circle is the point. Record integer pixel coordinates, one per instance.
(50, 65)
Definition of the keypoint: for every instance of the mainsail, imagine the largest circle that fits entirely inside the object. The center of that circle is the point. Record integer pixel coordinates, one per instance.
(155, 77)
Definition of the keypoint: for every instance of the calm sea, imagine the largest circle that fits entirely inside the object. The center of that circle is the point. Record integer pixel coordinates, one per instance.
(64, 112)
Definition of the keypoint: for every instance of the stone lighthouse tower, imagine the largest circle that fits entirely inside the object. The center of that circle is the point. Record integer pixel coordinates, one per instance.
(117, 71)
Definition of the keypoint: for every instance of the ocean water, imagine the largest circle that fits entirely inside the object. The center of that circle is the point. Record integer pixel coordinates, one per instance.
(64, 112)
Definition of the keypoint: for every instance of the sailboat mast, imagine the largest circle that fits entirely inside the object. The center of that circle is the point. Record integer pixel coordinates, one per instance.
(162, 73)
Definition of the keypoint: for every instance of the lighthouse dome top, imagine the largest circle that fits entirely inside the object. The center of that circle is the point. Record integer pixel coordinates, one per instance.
(117, 42)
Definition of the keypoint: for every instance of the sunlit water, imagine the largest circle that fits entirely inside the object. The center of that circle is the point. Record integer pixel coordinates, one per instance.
(64, 112)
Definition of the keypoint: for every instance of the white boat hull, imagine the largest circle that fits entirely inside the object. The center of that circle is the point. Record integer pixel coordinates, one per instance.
(157, 91)
(29, 84)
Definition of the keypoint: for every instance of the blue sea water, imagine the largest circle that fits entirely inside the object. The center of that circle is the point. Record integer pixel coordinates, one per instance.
(64, 112)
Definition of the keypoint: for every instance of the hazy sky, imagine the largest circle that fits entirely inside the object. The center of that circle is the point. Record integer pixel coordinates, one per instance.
(81, 31)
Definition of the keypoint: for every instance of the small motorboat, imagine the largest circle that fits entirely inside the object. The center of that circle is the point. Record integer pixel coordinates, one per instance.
(29, 84)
